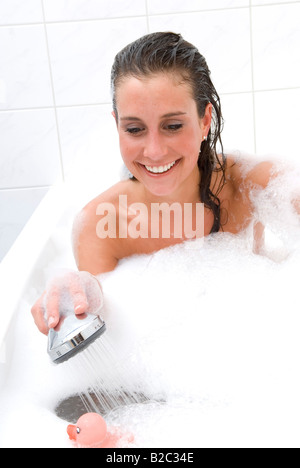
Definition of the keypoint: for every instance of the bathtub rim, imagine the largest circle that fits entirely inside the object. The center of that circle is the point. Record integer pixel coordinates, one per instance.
(18, 264)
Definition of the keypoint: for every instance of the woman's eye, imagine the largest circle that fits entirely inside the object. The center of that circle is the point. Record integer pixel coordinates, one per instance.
(138, 130)
(174, 127)
(134, 130)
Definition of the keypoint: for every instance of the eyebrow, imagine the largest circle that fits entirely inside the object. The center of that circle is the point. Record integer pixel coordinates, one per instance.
(170, 114)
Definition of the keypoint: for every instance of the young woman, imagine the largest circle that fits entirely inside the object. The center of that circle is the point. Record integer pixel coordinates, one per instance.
(169, 121)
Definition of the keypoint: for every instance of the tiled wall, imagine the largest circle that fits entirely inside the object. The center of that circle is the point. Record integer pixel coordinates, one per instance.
(55, 58)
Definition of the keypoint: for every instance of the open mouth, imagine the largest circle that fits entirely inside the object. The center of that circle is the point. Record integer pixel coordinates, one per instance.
(158, 170)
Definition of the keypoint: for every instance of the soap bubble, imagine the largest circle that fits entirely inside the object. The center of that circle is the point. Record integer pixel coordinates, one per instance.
(212, 332)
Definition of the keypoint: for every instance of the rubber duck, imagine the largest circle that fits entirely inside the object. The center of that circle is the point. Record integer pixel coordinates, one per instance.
(91, 431)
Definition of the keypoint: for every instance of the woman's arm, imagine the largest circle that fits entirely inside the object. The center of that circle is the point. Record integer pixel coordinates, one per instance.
(259, 177)
(91, 253)
(93, 257)
(246, 177)
(296, 203)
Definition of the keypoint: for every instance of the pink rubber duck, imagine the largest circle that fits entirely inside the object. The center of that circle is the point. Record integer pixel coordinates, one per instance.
(91, 432)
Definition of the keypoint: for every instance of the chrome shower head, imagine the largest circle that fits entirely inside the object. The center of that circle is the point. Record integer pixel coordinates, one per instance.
(72, 335)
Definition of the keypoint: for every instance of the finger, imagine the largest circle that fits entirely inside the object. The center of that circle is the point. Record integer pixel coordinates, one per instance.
(78, 295)
(37, 312)
(101, 298)
(51, 302)
(93, 290)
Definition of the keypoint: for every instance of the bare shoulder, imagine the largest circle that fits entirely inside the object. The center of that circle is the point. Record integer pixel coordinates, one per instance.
(248, 172)
(111, 195)
(243, 175)
(92, 253)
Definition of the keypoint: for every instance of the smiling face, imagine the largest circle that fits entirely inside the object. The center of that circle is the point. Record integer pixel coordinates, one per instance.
(160, 133)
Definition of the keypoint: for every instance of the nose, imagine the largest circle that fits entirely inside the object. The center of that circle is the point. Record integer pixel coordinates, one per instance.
(155, 148)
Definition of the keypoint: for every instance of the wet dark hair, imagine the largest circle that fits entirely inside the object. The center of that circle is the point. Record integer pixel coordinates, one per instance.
(169, 52)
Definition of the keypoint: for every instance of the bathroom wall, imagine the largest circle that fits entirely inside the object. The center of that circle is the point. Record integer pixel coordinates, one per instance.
(55, 58)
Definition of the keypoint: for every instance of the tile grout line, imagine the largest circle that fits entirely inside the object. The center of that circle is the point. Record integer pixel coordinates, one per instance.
(106, 103)
(114, 18)
(252, 77)
(61, 106)
(53, 94)
(39, 23)
(147, 16)
(29, 187)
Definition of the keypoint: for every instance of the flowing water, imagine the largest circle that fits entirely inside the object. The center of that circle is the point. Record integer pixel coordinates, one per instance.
(107, 381)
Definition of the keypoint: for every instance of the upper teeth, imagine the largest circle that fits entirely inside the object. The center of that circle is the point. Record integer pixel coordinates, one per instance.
(160, 169)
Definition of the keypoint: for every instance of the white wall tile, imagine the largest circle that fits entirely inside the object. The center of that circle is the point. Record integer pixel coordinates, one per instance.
(16, 207)
(89, 140)
(29, 154)
(3, 91)
(82, 55)
(64, 10)
(83, 41)
(24, 68)
(238, 133)
(276, 45)
(176, 6)
(20, 11)
(269, 2)
(278, 123)
(223, 37)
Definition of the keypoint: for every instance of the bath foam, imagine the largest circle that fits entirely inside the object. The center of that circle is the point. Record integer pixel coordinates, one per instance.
(218, 336)
(275, 207)
(214, 332)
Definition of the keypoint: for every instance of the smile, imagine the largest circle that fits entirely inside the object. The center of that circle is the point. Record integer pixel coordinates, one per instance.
(160, 169)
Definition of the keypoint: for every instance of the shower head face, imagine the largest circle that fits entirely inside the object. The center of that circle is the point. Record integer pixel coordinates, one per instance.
(72, 335)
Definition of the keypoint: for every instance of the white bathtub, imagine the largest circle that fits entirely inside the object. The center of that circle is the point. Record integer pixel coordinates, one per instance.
(42, 248)
(214, 329)
(22, 267)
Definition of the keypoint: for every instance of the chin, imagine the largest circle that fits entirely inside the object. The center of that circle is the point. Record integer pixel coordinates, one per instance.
(160, 191)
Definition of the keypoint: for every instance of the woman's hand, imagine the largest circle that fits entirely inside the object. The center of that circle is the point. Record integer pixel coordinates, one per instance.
(74, 292)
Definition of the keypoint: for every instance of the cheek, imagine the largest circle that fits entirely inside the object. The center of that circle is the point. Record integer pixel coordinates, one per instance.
(128, 148)
(190, 146)
(125, 151)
